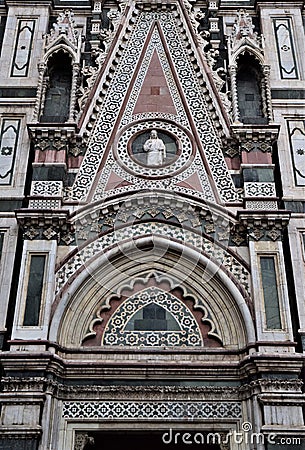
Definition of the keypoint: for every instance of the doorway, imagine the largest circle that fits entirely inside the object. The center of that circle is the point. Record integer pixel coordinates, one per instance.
(153, 440)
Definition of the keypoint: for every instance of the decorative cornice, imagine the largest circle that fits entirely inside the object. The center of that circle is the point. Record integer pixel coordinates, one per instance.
(57, 137)
(264, 226)
(51, 224)
(39, 224)
(256, 133)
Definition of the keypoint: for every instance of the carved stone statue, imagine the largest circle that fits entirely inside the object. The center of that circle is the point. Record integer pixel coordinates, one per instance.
(156, 150)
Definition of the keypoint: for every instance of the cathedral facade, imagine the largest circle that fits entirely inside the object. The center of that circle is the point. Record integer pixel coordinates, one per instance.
(152, 224)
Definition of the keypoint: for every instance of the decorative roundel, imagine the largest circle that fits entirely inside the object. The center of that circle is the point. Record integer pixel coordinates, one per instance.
(153, 149)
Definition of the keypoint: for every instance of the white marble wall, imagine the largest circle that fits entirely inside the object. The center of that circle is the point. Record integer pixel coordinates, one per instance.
(291, 10)
(27, 10)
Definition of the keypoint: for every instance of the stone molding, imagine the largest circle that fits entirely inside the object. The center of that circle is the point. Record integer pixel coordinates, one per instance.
(268, 388)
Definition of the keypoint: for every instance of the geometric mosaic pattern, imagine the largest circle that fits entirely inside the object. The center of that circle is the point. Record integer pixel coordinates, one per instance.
(8, 144)
(46, 188)
(260, 190)
(108, 410)
(117, 334)
(170, 183)
(297, 147)
(119, 159)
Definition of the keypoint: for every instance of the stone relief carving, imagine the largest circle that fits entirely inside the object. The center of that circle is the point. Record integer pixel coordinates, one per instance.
(133, 137)
(243, 34)
(81, 440)
(64, 26)
(84, 255)
(211, 54)
(195, 13)
(41, 384)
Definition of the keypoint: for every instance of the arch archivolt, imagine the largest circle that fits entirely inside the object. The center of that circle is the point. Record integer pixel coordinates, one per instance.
(103, 275)
(128, 238)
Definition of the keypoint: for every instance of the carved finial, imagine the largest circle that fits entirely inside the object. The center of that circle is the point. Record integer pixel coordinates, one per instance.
(244, 35)
(65, 25)
(243, 26)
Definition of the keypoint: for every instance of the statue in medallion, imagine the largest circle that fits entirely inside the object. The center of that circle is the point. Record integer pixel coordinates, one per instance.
(155, 149)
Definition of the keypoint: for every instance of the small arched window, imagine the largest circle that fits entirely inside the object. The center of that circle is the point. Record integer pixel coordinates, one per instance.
(250, 91)
(58, 89)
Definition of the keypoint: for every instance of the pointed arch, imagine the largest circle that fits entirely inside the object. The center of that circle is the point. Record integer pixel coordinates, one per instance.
(256, 53)
(61, 46)
(78, 304)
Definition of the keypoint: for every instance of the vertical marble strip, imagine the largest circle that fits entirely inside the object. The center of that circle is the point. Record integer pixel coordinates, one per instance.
(270, 292)
(8, 145)
(303, 243)
(296, 130)
(23, 48)
(285, 49)
(1, 243)
(34, 296)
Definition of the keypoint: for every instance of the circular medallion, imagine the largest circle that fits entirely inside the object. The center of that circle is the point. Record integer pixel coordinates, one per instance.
(153, 149)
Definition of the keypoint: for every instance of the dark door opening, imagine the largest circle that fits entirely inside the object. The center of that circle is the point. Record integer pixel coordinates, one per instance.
(154, 440)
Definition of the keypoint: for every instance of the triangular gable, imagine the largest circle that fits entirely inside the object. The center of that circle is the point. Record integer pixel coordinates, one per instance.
(155, 38)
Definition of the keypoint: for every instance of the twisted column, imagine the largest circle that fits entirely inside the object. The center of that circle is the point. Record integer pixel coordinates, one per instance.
(40, 95)
(266, 72)
(234, 92)
(75, 74)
